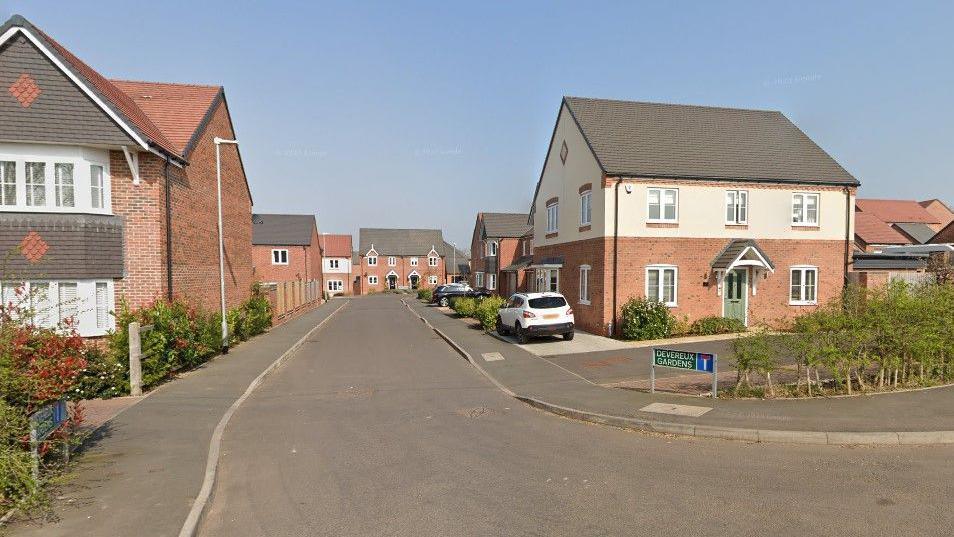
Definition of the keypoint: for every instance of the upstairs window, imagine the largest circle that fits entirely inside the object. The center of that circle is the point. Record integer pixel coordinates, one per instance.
(36, 184)
(413, 261)
(96, 186)
(334, 263)
(279, 256)
(63, 185)
(372, 260)
(663, 204)
(8, 183)
(585, 209)
(736, 207)
(392, 261)
(553, 217)
(804, 209)
(491, 248)
(432, 261)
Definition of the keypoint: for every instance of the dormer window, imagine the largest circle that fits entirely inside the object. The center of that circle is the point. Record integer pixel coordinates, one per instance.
(372, 260)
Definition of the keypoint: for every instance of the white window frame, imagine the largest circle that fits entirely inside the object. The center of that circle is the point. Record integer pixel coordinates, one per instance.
(433, 261)
(802, 270)
(413, 262)
(277, 259)
(372, 280)
(392, 261)
(82, 160)
(372, 260)
(97, 193)
(335, 285)
(479, 279)
(661, 269)
(334, 263)
(491, 249)
(8, 178)
(432, 279)
(491, 281)
(803, 197)
(586, 208)
(585, 284)
(740, 209)
(661, 191)
(60, 186)
(553, 217)
(84, 309)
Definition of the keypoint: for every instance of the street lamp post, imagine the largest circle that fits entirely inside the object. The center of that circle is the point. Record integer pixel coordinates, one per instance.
(218, 177)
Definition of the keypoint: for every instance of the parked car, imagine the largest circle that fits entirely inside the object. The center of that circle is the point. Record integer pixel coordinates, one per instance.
(444, 294)
(536, 314)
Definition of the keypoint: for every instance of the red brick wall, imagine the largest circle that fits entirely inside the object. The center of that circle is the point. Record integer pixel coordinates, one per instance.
(299, 267)
(402, 267)
(693, 258)
(195, 254)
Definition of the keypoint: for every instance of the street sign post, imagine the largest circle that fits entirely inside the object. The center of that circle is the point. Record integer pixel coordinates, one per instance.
(691, 361)
(43, 423)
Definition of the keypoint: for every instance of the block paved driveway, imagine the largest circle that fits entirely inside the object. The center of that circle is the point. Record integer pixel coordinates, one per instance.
(377, 428)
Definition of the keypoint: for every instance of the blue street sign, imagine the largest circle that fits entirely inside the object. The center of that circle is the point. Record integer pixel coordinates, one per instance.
(704, 362)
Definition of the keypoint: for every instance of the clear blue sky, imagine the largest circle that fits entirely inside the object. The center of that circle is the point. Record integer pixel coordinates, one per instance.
(375, 114)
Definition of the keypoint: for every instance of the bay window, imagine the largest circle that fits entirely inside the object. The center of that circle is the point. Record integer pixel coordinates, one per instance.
(35, 184)
(63, 185)
(82, 305)
(96, 187)
(8, 183)
(48, 178)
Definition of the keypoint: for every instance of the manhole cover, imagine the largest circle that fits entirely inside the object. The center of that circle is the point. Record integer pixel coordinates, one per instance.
(477, 412)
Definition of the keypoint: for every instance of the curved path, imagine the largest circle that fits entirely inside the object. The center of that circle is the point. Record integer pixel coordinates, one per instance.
(377, 427)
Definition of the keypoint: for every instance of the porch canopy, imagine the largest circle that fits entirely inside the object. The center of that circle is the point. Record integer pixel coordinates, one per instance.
(742, 253)
(518, 265)
(548, 263)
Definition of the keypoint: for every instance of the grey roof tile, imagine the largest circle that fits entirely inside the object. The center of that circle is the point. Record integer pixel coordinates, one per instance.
(282, 229)
(505, 225)
(400, 242)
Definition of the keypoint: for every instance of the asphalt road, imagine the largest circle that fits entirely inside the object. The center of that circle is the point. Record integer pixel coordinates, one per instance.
(377, 428)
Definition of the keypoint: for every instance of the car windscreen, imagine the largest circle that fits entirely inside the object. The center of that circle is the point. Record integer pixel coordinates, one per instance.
(547, 302)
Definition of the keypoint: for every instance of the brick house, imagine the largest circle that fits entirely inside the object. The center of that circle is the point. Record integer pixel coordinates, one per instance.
(496, 243)
(336, 264)
(712, 211)
(399, 259)
(458, 263)
(109, 187)
(882, 224)
(285, 247)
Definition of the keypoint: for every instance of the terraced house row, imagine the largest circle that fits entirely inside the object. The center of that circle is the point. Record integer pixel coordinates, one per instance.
(712, 211)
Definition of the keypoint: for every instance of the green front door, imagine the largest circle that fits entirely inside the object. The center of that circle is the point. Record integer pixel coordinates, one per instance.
(734, 292)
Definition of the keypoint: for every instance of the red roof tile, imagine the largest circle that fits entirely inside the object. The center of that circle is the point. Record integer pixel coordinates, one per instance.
(176, 109)
(335, 245)
(892, 211)
(872, 230)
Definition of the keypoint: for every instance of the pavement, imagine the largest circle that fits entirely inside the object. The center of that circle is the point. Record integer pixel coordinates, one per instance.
(141, 470)
(564, 385)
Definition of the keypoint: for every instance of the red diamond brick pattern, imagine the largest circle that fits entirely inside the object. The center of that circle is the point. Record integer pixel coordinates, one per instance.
(33, 247)
(25, 90)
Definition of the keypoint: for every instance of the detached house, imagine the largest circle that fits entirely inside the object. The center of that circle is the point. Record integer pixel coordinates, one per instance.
(712, 211)
(108, 187)
(399, 259)
(336, 264)
(286, 248)
(497, 242)
(458, 264)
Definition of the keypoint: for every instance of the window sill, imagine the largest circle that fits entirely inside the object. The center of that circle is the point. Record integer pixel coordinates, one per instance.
(802, 303)
(662, 224)
(731, 225)
(584, 302)
(587, 227)
(553, 235)
(806, 227)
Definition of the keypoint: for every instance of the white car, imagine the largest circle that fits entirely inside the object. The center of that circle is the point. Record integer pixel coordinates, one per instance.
(536, 314)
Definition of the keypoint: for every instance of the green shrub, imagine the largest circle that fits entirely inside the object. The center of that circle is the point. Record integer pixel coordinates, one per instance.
(487, 311)
(102, 378)
(708, 326)
(465, 306)
(425, 294)
(646, 319)
(755, 353)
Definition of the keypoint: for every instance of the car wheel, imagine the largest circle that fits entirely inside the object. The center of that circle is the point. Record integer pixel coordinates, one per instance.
(568, 336)
(443, 302)
(522, 337)
(501, 329)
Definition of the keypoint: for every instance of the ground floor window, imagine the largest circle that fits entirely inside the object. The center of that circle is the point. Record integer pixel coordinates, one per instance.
(491, 281)
(335, 285)
(804, 286)
(584, 284)
(548, 280)
(372, 280)
(662, 284)
(479, 279)
(432, 279)
(84, 305)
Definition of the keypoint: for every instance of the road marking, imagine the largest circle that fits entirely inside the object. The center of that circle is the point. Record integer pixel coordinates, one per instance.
(492, 356)
(676, 410)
